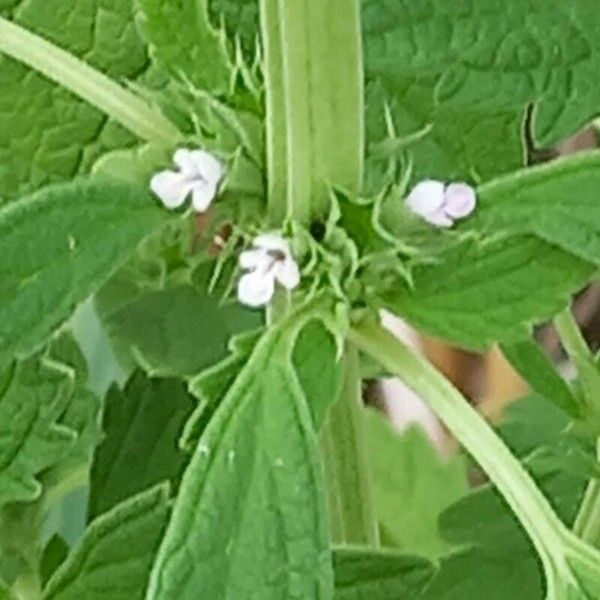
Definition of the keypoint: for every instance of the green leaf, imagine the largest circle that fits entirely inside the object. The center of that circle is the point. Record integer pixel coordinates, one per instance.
(412, 485)
(493, 290)
(470, 72)
(177, 331)
(557, 202)
(536, 367)
(364, 574)
(33, 397)
(47, 134)
(114, 557)
(142, 426)
(318, 369)
(91, 228)
(55, 553)
(497, 561)
(183, 41)
(240, 20)
(250, 517)
(82, 414)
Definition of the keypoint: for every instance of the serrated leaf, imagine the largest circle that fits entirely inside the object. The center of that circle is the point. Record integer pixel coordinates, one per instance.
(177, 331)
(33, 398)
(536, 367)
(91, 228)
(114, 557)
(184, 42)
(47, 134)
(412, 485)
(364, 574)
(488, 291)
(142, 426)
(558, 202)
(470, 71)
(250, 515)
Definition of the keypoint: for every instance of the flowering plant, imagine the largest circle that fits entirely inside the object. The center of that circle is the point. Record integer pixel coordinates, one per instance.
(205, 208)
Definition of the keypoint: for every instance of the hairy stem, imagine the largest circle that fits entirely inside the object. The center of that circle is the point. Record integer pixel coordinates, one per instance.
(514, 483)
(346, 467)
(123, 106)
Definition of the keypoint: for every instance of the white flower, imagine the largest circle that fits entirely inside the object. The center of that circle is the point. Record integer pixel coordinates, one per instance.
(199, 175)
(441, 204)
(270, 261)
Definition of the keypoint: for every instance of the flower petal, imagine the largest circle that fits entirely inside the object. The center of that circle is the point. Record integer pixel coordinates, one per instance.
(183, 159)
(288, 274)
(207, 166)
(426, 197)
(202, 195)
(460, 201)
(171, 188)
(253, 259)
(439, 219)
(256, 289)
(272, 241)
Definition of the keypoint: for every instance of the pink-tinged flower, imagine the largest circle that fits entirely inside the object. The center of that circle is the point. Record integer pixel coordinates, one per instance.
(441, 204)
(199, 175)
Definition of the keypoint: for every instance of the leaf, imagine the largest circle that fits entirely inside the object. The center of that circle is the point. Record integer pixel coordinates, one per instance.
(497, 560)
(33, 397)
(470, 72)
(557, 202)
(536, 367)
(142, 426)
(82, 414)
(250, 518)
(364, 574)
(412, 485)
(240, 20)
(114, 557)
(46, 134)
(494, 290)
(91, 228)
(317, 368)
(184, 42)
(177, 331)
(55, 553)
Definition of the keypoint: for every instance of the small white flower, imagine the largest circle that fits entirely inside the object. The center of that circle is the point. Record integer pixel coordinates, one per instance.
(270, 261)
(441, 204)
(199, 175)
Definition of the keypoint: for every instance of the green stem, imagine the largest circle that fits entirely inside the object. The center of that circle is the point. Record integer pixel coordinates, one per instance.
(514, 483)
(315, 130)
(345, 460)
(587, 523)
(96, 88)
(570, 335)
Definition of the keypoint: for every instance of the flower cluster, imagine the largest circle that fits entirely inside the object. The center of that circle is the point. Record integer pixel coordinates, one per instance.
(270, 261)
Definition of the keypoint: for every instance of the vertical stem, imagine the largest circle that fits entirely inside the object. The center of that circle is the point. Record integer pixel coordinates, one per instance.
(347, 474)
(315, 104)
(514, 483)
(587, 523)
